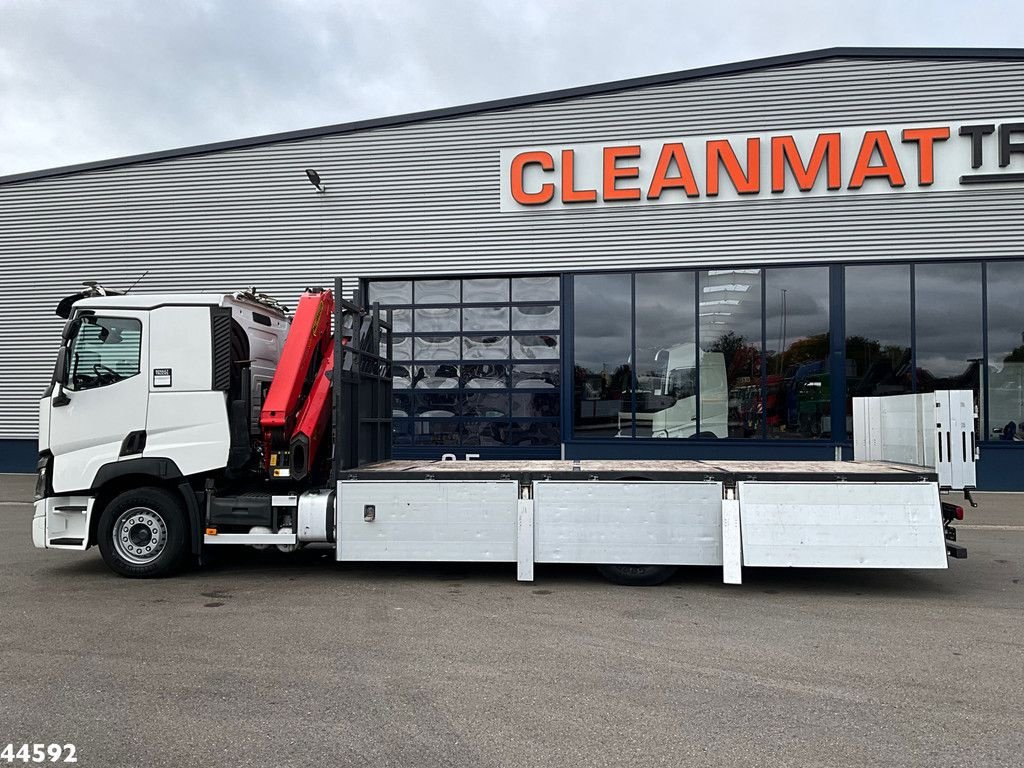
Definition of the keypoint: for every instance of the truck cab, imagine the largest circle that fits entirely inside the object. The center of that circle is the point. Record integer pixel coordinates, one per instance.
(666, 404)
(150, 391)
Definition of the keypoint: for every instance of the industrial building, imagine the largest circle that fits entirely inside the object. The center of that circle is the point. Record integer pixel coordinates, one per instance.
(708, 263)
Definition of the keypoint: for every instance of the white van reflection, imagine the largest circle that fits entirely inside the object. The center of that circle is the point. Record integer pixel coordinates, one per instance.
(667, 402)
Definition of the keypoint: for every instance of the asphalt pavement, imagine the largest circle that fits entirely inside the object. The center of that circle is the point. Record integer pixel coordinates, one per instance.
(295, 660)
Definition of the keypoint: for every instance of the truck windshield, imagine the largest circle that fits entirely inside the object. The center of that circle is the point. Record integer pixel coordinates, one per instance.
(104, 350)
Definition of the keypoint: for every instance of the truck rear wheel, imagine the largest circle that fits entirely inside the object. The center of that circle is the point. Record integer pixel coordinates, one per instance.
(637, 575)
(141, 533)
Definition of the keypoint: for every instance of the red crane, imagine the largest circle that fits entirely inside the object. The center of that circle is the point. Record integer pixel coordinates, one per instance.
(294, 415)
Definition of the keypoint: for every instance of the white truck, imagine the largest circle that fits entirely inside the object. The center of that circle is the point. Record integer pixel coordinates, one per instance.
(175, 423)
(667, 402)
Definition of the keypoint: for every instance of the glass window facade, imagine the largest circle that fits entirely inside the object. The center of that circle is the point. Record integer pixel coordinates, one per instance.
(878, 327)
(719, 353)
(948, 327)
(798, 401)
(1004, 393)
(666, 361)
(602, 375)
(740, 354)
(729, 309)
(477, 361)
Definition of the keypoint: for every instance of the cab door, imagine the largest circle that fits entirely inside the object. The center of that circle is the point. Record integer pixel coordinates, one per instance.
(103, 398)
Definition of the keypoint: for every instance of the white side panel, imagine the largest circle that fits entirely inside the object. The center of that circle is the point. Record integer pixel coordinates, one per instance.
(191, 428)
(956, 439)
(861, 429)
(443, 521)
(628, 523)
(842, 525)
(180, 356)
(524, 543)
(732, 541)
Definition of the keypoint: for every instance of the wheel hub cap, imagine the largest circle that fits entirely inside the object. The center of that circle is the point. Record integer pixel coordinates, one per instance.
(140, 535)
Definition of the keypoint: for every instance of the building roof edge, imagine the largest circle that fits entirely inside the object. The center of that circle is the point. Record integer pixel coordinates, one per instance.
(698, 73)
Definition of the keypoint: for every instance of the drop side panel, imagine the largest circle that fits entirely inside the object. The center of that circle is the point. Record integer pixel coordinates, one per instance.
(441, 521)
(842, 525)
(647, 523)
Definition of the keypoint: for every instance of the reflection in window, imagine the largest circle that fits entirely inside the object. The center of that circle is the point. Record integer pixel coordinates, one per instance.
(401, 320)
(439, 432)
(485, 319)
(601, 370)
(401, 348)
(401, 433)
(729, 313)
(489, 347)
(535, 288)
(391, 292)
(799, 394)
(526, 433)
(490, 405)
(445, 376)
(535, 406)
(540, 347)
(538, 317)
(401, 377)
(485, 376)
(1005, 395)
(437, 292)
(535, 375)
(401, 405)
(666, 402)
(437, 405)
(484, 433)
(878, 331)
(485, 289)
(947, 329)
(433, 319)
(454, 352)
(437, 348)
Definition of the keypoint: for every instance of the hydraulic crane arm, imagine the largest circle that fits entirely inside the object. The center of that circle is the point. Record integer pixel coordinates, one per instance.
(298, 400)
(312, 420)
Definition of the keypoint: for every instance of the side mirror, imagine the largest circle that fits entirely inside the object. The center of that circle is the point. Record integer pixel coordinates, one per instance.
(60, 373)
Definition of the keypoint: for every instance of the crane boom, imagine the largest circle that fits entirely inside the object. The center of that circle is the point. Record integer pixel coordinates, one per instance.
(301, 372)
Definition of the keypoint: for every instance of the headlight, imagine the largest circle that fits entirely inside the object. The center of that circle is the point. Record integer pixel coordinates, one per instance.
(42, 477)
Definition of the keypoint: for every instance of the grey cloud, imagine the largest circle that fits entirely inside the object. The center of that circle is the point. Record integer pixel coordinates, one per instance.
(84, 81)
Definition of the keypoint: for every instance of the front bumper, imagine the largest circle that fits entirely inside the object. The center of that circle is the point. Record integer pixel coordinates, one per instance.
(62, 522)
(39, 524)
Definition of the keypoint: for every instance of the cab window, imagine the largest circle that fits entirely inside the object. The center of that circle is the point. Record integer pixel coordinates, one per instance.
(103, 351)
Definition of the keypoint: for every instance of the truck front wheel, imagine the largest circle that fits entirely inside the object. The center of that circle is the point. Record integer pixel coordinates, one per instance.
(141, 533)
(637, 575)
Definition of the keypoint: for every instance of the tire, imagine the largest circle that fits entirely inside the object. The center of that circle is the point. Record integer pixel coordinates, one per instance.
(142, 533)
(638, 575)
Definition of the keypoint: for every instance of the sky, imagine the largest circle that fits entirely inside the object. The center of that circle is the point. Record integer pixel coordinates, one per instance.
(89, 80)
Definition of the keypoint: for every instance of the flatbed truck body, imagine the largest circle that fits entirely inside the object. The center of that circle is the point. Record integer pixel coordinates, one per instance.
(636, 520)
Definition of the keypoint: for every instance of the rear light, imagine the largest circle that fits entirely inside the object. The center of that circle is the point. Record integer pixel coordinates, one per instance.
(951, 512)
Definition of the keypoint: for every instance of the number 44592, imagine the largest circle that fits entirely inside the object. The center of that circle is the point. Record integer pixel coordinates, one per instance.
(39, 753)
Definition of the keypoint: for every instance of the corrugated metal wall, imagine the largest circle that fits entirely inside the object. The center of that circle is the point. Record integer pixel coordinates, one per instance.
(423, 199)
